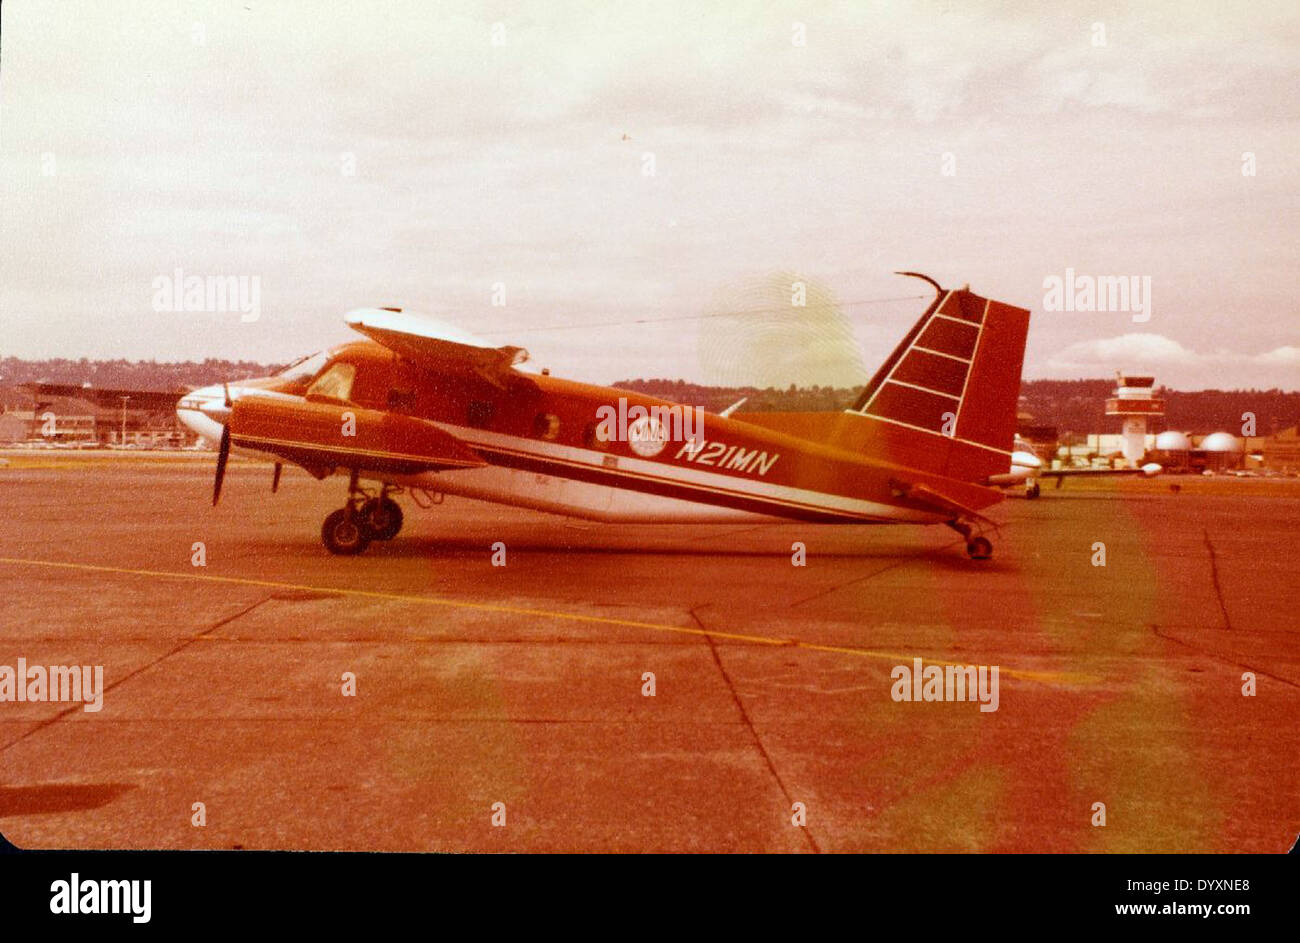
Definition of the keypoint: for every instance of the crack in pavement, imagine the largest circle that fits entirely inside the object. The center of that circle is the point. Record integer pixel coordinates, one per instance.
(873, 574)
(749, 724)
(1220, 657)
(186, 643)
(1214, 578)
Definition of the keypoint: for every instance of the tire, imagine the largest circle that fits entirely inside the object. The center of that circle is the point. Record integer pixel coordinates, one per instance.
(979, 548)
(344, 534)
(382, 518)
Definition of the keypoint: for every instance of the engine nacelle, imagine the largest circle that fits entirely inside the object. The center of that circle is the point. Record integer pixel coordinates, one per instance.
(321, 434)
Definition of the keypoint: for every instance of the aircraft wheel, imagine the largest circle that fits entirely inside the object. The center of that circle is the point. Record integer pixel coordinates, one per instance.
(979, 548)
(382, 518)
(1033, 490)
(345, 534)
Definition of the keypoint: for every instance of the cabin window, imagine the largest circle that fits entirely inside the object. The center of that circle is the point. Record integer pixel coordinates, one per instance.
(596, 436)
(546, 426)
(335, 383)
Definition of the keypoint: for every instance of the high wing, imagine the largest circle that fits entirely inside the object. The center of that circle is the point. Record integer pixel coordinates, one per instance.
(438, 346)
(1147, 470)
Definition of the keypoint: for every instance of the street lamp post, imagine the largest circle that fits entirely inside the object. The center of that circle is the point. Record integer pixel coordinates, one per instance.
(123, 442)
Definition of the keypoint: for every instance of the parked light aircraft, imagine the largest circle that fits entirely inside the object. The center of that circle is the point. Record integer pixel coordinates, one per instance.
(426, 408)
(1027, 469)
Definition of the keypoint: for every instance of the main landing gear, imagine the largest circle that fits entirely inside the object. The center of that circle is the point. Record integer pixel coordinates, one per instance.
(1032, 488)
(365, 517)
(978, 547)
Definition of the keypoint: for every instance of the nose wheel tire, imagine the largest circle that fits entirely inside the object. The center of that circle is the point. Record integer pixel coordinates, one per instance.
(382, 518)
(345, 533)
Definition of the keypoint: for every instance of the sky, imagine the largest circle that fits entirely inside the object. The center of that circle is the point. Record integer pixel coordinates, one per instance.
(631, 191)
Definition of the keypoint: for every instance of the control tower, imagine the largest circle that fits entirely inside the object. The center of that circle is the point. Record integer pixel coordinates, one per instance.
(1135, 402)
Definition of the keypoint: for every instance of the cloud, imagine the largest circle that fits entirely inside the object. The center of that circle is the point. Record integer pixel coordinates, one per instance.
(1138, 352)
(1152, 349)
(1288, 356)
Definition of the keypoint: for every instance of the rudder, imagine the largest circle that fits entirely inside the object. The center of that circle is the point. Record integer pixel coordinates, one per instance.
(956, 374)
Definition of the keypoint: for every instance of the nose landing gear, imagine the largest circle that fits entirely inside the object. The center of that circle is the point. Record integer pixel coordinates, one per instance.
(365, 517)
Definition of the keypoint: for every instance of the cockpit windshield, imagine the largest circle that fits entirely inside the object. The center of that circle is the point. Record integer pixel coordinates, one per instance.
(304, 369)
(334, 383)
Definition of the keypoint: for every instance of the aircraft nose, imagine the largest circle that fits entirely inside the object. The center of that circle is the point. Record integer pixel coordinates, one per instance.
(1026, 460)
(204, 411)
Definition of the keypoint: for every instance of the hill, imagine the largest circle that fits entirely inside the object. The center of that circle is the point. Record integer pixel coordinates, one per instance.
(1069, 405)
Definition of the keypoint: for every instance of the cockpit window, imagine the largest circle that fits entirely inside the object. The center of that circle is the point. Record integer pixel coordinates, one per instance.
(304, 369)
(335, 383)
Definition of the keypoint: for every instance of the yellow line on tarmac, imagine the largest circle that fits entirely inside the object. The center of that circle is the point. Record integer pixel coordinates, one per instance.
(1048, 677)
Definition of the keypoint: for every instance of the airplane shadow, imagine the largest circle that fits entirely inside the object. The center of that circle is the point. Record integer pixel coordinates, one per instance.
(944, 556)
(58, 797)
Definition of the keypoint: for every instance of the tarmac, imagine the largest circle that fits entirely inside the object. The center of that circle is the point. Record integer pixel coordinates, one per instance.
(507, 708)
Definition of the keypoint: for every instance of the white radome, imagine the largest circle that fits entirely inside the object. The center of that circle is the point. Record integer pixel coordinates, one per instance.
(1220, 442)
(1173, 441)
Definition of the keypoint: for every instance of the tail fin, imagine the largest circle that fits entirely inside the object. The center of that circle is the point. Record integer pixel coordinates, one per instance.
(945, 399)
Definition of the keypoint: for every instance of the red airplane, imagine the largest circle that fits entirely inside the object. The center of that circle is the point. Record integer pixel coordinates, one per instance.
(424, 408)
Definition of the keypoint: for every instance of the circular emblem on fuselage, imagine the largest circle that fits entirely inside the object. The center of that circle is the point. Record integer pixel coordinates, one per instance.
(647, 436)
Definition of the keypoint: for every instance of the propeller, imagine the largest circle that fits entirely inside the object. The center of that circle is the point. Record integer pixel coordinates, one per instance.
(275, 479)
(223, 454)
(757, 333)
(223, 450)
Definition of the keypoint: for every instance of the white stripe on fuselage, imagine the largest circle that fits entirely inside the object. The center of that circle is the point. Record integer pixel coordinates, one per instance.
(606, 502)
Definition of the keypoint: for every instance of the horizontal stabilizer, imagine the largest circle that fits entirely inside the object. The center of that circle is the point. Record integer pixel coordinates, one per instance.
(938, 501)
